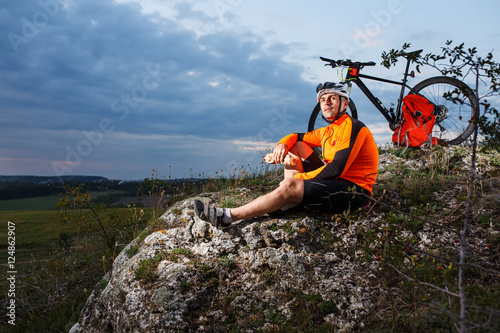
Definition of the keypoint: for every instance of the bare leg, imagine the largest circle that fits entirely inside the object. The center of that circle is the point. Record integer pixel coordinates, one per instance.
(290, 191)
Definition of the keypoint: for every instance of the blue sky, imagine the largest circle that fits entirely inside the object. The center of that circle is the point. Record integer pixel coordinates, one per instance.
(119, 88)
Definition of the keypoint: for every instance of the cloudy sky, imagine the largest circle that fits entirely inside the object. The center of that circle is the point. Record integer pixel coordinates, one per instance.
(117, 88)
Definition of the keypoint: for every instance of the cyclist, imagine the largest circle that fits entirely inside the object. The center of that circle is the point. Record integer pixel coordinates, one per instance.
(350, 162)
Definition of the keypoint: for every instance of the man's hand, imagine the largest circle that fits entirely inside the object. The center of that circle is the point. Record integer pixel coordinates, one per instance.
(280, 152)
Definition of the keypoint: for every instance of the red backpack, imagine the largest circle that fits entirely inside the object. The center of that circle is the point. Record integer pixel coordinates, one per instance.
(415, 129)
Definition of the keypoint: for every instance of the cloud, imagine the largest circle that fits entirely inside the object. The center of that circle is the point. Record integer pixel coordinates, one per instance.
(83, 64)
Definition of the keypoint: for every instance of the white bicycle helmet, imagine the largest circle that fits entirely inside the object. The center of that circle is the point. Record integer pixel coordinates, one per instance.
(332, 87)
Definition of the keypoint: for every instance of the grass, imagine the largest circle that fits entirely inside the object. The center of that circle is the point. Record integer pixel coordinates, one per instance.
(36, 236)
(66, 272)
(36, 239)
(412, 192)
(56, 285)
(33, 228)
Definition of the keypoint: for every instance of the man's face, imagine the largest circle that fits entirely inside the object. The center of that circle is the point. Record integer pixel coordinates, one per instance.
(329, 104)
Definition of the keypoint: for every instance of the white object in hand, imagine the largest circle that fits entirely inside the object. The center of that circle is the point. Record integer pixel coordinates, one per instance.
(289, 159)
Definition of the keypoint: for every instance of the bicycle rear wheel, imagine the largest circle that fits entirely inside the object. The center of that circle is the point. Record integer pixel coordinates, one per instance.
(454, 118)
(316, 120)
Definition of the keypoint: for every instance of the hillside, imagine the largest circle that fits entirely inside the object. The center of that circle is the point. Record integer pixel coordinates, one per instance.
(372, 270)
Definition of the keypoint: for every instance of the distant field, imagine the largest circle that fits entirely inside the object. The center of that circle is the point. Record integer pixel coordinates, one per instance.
(31, 204)
(44, 203)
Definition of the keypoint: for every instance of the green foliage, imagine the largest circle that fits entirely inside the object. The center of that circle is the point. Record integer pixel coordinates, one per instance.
(230, 202)
(18, 190)
(308, 311)
(394, 245)
(408, 271)
(65, 240)
(57, 283)
(208, 271)
(489, 124)
(142, 235)
(132, 250)
(268, 276)
(307, 314)
(133, 219)
(112, 225)
(287, 227)
(155, 188)
(78, 208)
(391, 57)
(329, 307)
(103, 284)
(35, 234)
(145, 270)
(411, 268)
(175, 254)
(181, 251)
(159, 256)
(226, 261)
(185, 286)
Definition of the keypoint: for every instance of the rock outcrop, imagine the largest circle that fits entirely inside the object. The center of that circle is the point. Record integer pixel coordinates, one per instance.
(260, 273)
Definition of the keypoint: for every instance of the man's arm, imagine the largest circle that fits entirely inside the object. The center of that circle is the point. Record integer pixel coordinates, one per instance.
(343, 158)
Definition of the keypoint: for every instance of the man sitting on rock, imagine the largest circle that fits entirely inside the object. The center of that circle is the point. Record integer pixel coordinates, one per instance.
(349, 166)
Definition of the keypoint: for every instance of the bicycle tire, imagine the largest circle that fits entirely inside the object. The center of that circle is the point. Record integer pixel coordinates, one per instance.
(316, 121)
(455, 122)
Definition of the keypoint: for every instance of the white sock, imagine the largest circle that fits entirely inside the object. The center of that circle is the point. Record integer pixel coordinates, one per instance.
(288, 206)
(227, 216)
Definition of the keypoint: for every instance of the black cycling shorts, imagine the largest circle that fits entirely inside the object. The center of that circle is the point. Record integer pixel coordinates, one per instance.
(323, 194)
(326, 195)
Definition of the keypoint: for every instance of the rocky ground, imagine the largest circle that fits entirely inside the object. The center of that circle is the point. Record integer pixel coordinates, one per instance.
(303, 271)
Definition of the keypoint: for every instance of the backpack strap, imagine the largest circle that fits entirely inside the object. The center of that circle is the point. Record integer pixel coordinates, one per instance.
(407, 141)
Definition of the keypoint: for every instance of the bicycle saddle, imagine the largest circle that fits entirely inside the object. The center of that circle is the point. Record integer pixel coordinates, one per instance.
(410, 55)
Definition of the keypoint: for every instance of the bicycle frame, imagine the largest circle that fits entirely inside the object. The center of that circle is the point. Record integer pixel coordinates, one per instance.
(353, 75)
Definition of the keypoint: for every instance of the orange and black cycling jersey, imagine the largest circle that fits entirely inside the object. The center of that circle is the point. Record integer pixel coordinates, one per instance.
(349, 151)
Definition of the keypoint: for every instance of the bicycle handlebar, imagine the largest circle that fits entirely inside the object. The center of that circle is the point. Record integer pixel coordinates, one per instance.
(347, 63)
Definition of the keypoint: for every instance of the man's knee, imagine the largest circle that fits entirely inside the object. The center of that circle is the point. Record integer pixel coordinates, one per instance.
(301, 144)
(301, 149)
(292, 188)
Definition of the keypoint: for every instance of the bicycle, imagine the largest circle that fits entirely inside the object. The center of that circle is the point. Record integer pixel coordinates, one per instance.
(455, 104)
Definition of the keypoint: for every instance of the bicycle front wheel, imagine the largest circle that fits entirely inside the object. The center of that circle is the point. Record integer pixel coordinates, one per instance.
(455, 106)
(316, 120)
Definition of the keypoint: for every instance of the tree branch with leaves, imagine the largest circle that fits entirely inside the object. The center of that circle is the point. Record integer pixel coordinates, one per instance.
(464, 64)
(77, 207)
